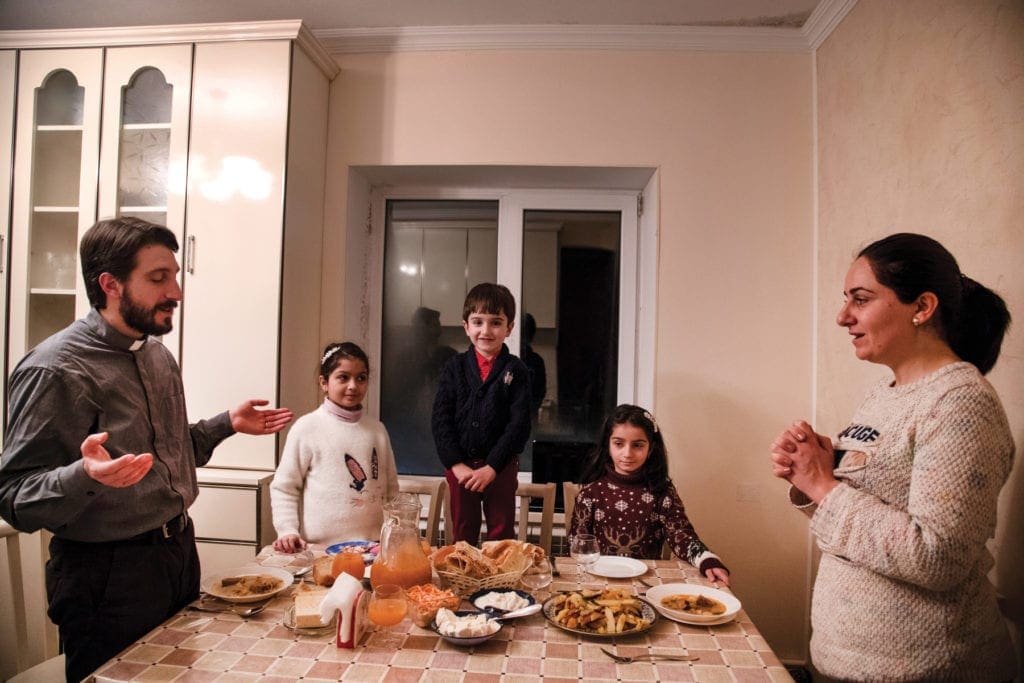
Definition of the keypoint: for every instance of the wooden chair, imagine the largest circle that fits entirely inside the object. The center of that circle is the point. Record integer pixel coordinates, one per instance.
(436, 489)
(569, 492)
(546, 492)
(51, 669)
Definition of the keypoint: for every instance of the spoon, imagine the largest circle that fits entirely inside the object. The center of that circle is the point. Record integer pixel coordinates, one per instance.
(522, 612)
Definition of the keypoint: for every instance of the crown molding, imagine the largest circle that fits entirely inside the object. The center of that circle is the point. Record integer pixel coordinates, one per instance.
(173, 33)
(822, 21)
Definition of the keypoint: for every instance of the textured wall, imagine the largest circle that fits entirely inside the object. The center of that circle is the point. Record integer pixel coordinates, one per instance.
(921, 129)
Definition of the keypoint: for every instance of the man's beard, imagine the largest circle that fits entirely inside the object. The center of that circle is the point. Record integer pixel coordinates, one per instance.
(144, 319)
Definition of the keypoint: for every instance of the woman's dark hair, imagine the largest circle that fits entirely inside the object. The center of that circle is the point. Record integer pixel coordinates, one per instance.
(334, 353)
(490, 298)
(655, 469)
(110, 246)
(971, 318)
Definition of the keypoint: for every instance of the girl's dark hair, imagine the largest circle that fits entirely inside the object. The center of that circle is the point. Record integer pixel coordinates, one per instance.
(655, 469)
(971, 318)
(333, 353)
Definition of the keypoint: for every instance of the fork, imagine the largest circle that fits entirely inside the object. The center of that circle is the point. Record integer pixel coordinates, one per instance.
(650, 658)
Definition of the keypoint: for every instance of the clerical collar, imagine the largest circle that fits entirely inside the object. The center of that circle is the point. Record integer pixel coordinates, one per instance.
(343, 414)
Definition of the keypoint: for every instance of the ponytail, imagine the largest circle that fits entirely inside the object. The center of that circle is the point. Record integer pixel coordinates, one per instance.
(983, 321)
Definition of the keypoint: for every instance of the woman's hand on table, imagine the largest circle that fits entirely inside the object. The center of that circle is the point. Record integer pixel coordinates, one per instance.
(805, 459)
(289, 543)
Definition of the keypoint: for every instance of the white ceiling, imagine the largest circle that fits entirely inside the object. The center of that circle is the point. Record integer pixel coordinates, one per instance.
(327, 15)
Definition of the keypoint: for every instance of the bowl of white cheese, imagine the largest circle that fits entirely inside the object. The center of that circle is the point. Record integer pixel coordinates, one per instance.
(464, 627)
(497, 601)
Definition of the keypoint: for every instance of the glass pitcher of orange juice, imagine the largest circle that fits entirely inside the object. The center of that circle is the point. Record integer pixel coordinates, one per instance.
(401, 559)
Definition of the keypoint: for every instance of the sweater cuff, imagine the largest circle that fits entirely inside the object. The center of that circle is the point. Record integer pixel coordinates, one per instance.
(826, 520)
(710, 561)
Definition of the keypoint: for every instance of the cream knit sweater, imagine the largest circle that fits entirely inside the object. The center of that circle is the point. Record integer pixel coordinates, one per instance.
(901, 592)
(333, 479)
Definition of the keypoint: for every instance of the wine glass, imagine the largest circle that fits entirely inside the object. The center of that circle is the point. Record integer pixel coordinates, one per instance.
(584, 549)
(537, 577)
(387, 608)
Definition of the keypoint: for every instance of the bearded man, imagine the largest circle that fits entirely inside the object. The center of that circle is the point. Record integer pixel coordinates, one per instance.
(99, 450)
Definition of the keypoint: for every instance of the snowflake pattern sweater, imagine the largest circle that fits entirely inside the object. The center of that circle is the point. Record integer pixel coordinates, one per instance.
(333, 479)
(902, 592)
(628, 519)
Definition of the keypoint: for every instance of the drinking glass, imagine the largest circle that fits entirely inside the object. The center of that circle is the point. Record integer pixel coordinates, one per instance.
(584, 549)
(537, 577)
(387, 608)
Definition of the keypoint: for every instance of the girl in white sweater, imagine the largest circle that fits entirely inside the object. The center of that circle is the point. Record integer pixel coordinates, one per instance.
(337, 469)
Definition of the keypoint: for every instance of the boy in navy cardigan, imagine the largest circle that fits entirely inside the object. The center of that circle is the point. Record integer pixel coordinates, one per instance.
(481, 418)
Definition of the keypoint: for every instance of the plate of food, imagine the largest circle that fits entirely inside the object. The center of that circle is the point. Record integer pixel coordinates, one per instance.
(692, 603)
(309, 629)
(501, 600)
(617, 567)
(369, 548)
(608, 613)
(464, 627)
(247, 584)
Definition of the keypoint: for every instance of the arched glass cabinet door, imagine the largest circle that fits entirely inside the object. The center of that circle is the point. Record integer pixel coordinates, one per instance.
(145, 140)
(54, 190)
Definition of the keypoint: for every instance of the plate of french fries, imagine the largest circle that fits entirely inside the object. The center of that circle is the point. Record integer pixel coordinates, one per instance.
(603, 613)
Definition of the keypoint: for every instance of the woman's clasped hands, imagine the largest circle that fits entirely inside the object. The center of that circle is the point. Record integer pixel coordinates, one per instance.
(805, 459)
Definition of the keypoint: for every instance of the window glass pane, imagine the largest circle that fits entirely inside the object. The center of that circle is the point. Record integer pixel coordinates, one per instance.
(434, 253)
(569, 333)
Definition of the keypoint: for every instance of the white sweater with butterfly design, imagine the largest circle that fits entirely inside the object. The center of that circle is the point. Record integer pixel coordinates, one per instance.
(333, 479)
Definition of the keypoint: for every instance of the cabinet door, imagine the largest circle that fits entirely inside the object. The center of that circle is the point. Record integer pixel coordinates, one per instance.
(144, 153)
(55, 164)
(8, 69)
(234, 233)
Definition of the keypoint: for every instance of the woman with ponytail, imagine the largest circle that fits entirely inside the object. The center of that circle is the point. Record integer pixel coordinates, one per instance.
(903, 502)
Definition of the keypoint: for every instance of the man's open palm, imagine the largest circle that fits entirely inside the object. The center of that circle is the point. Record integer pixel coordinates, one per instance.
(125, 471)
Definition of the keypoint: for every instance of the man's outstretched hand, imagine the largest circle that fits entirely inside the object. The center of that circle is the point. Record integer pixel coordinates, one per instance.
(127, 470)
(248, 419)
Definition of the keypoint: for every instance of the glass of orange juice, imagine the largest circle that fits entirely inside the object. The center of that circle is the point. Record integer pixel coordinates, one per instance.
(387, 608)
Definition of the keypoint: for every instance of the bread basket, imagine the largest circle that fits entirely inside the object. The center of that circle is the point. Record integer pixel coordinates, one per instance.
(463, 585)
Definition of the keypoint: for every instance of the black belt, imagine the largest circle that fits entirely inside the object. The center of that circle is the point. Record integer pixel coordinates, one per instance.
(168, 529)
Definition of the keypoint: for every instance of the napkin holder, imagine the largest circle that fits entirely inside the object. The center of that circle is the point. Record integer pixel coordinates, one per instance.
(352, 626)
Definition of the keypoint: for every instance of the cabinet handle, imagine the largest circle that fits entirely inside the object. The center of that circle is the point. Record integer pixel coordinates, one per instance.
(190, 255)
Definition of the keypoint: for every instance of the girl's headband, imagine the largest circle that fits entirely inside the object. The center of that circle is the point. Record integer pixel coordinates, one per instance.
(653, 422)
(331, 350)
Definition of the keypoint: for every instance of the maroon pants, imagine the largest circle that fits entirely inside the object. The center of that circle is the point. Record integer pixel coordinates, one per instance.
(498, 502)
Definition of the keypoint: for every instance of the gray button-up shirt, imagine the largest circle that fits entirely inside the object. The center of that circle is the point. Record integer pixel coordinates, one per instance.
(85, 379)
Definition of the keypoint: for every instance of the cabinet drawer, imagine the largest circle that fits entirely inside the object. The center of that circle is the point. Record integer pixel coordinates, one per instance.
(215, 558)
(226, 513)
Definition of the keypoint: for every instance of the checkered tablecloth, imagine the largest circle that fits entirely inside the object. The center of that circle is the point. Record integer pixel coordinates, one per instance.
(199, 646)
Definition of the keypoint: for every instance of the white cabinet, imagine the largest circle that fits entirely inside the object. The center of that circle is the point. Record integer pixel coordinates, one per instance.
(55, 169)
(8, 71)
(232, 517)
(254, 228)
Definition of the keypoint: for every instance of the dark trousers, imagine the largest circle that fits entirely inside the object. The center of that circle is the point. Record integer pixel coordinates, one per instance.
(105, 596)
(498, 502)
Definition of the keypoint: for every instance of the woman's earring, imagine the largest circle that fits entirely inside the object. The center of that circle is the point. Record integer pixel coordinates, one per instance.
(916, 321)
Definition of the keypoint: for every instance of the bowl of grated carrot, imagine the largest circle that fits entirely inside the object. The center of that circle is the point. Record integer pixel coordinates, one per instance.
(424, 601)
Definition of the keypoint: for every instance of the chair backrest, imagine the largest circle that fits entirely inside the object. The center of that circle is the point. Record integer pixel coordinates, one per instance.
(53, 667)
(570, 490)
(546, 492)
(436, 489)
(11, 536)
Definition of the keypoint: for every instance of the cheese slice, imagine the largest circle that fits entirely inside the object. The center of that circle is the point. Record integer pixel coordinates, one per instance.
(307, 608)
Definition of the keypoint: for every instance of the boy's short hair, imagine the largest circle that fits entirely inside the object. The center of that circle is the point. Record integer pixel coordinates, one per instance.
(488, 297)
(110, 246)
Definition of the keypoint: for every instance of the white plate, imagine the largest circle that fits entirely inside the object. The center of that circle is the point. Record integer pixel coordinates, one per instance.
(211, 584)
(732, 605)
(616, 567)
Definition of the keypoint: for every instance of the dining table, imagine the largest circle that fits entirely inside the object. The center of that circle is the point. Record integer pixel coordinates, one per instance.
(196, 645)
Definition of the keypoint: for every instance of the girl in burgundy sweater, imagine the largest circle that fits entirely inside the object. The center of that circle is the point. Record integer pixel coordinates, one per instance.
(629, 502)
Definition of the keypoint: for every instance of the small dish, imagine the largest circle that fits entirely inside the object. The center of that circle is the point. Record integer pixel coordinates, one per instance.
(618, 567)
(289, 623)
(476, 600)
(658, 593)
(369, 548)
(467, 641)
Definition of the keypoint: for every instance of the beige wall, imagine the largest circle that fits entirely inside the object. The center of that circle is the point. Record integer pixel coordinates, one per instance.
(731, 135)
(921, 129)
